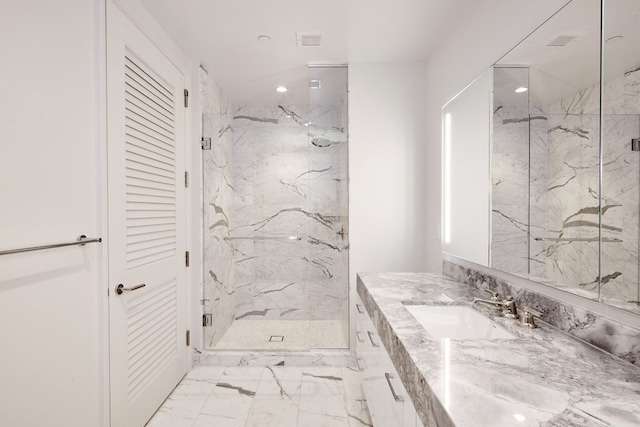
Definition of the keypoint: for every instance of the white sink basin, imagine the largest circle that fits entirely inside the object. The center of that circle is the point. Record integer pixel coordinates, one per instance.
(457, 322)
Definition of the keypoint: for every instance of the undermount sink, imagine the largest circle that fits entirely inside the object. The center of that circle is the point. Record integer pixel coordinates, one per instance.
(457, 322)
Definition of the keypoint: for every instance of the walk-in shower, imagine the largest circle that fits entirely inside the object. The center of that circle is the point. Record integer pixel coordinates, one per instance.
(275, 214)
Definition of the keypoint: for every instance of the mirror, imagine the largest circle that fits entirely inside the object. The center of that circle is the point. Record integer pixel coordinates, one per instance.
(564, 183)
(465, 172)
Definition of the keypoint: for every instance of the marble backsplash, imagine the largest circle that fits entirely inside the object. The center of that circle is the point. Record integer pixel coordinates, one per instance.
(613, 337)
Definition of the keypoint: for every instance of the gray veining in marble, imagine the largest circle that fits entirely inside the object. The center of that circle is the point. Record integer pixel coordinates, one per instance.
(265, 397)
(542, 378)
(509, 203)
(274, 203)
(289, 198)
(618, 339)
(564, 190)
(219, 283)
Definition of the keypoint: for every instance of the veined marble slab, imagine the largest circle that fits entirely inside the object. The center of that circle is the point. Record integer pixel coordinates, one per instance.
(613, 337)
(542, 378)
(289, 204)
(566, 200)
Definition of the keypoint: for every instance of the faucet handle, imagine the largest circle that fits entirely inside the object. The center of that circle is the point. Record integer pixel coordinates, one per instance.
(494, 295)
(532, 311)
(509, 308)
(527, 317)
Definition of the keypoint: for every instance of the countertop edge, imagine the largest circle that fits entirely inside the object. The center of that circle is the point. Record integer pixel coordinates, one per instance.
(427, 405)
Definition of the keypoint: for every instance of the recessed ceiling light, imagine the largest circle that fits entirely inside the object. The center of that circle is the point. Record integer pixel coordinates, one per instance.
(521, 89)
(281, 89)
(263, 38)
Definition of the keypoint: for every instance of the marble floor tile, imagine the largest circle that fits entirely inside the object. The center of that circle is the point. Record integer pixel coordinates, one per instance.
(358, 413)
(323, 411)
(273, 413)
(250, 396)
(282, 383)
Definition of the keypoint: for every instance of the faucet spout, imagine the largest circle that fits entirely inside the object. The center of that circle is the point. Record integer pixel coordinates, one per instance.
(508, 306)
(496, 304)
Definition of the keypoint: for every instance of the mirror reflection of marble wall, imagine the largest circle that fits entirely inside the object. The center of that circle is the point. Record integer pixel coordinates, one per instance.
(510, 171)
(580, 231)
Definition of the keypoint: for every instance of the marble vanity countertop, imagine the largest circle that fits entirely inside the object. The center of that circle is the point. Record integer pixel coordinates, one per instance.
(543, 377)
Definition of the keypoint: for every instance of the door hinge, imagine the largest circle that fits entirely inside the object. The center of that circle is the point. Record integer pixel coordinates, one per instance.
(188, 338)
(207, 319)
(186, 259)
(186, 180)
(186, 98)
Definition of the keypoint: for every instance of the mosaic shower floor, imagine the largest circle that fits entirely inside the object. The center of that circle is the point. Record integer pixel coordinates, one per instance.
(283, 335)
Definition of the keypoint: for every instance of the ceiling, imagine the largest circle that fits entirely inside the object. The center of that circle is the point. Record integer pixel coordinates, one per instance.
(223, 34)
(560, 71)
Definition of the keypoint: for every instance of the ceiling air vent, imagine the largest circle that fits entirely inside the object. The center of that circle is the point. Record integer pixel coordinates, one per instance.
(561, 41)
(309, 39)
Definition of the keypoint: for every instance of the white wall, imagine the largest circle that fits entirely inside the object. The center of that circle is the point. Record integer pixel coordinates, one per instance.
(50, 301)
(485, 33)
(387, 194)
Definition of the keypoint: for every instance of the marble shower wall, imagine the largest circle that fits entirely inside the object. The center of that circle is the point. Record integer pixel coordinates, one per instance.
(218, 293)
(572, 199)
(563, 160)
(509, 184)
(289, 204)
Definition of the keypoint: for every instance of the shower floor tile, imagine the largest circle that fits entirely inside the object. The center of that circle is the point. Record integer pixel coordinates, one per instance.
(283, 335)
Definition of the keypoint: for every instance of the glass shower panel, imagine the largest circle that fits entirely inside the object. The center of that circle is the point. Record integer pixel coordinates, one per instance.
(620, 160)
(328, 161)
(218, 294)
(271, 273)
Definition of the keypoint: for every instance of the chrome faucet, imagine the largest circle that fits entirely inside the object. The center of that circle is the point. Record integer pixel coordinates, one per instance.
(507, 305)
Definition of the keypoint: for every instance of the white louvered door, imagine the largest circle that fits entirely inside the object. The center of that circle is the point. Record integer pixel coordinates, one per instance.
(146, 223)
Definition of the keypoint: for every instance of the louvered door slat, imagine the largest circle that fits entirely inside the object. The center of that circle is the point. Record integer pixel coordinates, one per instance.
(145, 179)
(153, 326)
(140, 182)
(138, 97)
(137, 124)
(143, 215)
(136, 224)
(149, 166)
(149, 191)
(150, 118)
(152, 87)
(146, 356)
(155, 155)
(134, 136)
